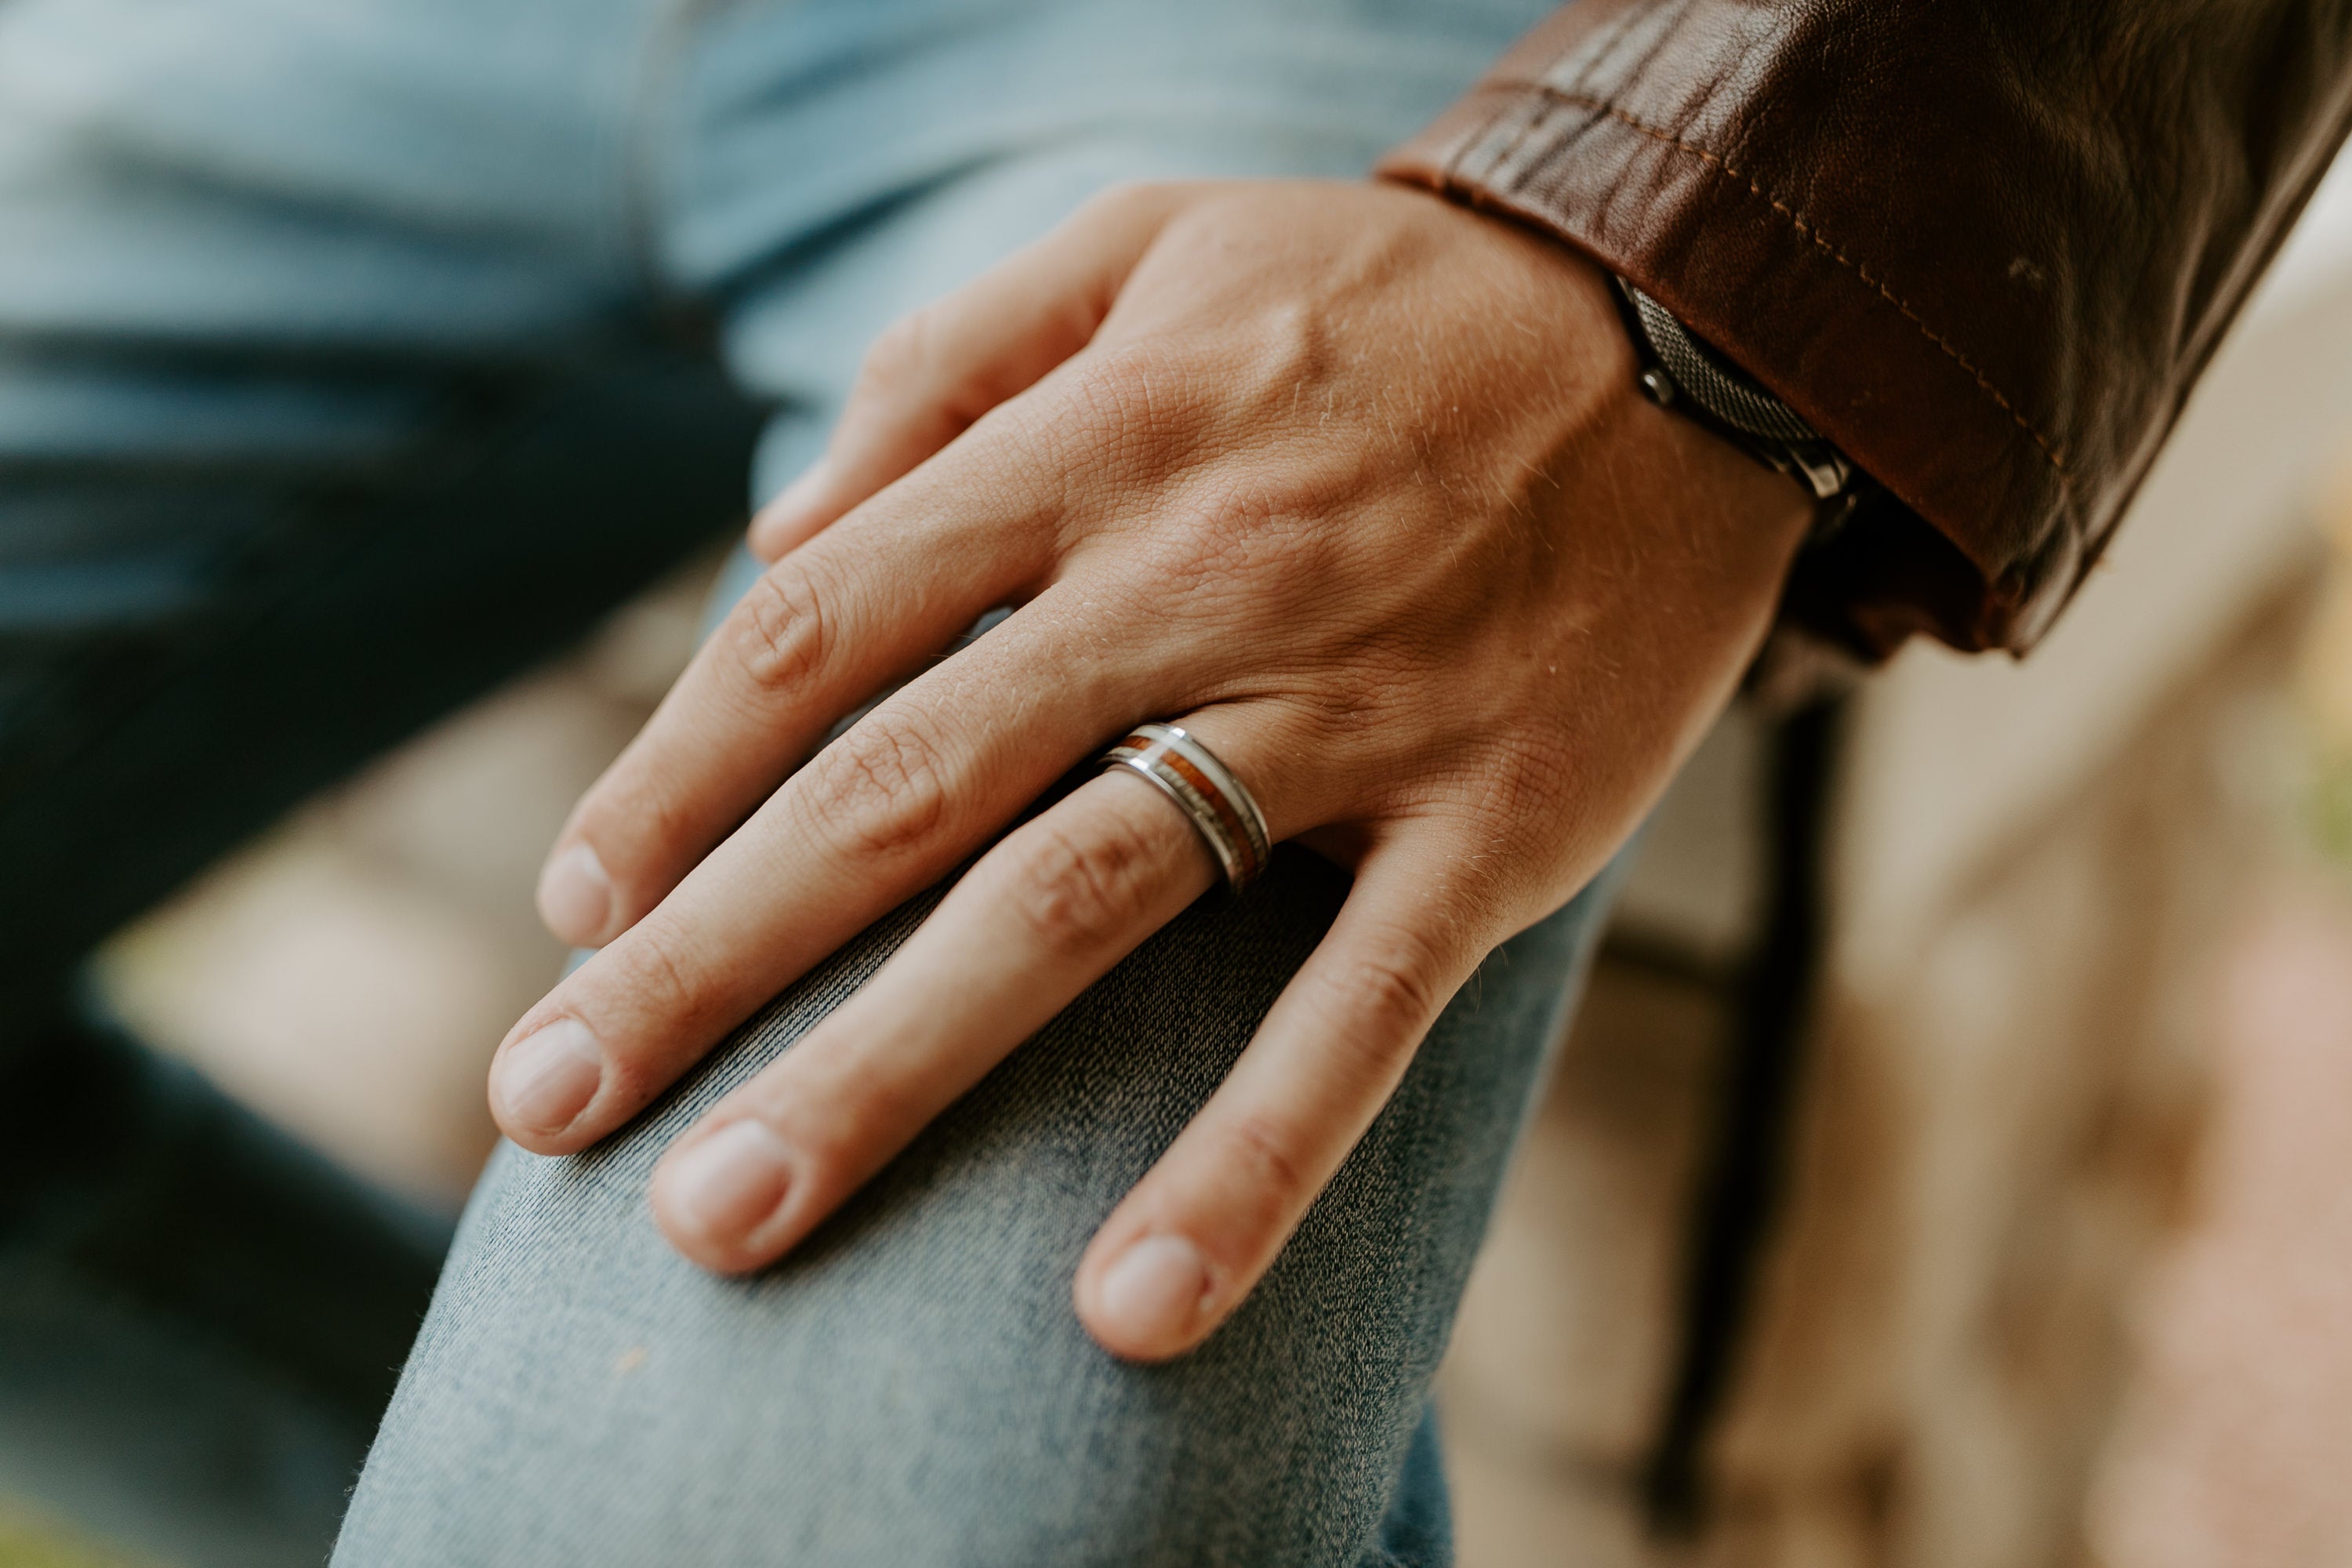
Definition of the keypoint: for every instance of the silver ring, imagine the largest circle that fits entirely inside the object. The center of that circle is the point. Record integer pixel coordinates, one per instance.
(1213, 800)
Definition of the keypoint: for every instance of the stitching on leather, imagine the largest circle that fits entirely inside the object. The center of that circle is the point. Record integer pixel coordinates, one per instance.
(1831, 250)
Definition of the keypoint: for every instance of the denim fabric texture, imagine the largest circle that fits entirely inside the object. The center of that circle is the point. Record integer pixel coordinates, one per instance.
(912, 1386)
(355, 354)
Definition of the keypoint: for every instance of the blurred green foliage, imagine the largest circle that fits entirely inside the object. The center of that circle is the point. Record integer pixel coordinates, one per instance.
(2330, 808)
(29, 1540)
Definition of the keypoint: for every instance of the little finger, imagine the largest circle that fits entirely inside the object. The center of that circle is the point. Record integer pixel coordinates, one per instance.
(1191, 1242)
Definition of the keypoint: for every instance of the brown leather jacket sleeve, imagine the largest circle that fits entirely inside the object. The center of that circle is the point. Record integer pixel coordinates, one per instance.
(1986, 246)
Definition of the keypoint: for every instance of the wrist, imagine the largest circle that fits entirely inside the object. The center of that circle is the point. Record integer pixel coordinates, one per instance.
(1706, 522)
(1681, 371)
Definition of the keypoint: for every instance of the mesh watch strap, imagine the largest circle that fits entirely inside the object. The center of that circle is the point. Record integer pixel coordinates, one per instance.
(1681, 371)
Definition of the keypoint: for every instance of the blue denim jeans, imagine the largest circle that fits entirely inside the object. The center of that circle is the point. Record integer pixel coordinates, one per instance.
(353, 354)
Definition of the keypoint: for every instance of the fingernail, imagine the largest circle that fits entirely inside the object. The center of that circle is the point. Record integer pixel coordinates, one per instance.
(547, 1078)
(575, 896)
(1152, 1296)
(733, 1180)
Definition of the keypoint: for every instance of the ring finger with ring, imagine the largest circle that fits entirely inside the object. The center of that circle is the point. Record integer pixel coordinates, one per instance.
(1042, 915)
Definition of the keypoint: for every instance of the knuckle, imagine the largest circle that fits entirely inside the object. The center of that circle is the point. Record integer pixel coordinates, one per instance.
(1186, 553)
(1529, 782)
(639, 824)
(823, 1139)
(1094, 412)
(899, 355)
(843, 1120)
(1355, 697)
(881, 790)
(1262, 1153)
(782, 637)
(1133, 397)
(1077, 893)
(1258, 547)
(1393, 985)
(1123, 197)
(654, 979)
(667, 819)
(865, 1111)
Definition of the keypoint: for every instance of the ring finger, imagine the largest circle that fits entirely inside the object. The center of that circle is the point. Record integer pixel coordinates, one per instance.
(1043, 915)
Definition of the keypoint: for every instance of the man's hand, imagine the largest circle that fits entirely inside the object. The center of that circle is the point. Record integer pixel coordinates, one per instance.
(1353, 484)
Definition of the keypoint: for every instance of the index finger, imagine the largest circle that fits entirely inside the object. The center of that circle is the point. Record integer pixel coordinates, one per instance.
(881, 813)
(817, 636)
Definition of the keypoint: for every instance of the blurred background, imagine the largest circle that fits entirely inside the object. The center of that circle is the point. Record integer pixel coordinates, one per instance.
(1951, 1167)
